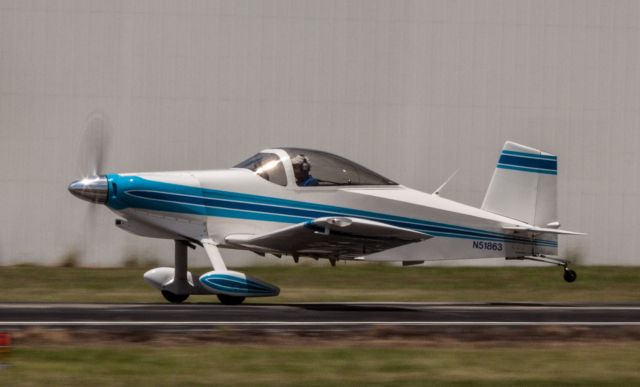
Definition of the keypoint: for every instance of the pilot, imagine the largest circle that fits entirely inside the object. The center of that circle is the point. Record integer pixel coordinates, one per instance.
(301, 169)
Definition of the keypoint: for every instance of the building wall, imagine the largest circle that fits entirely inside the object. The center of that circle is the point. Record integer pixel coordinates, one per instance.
(412, 89)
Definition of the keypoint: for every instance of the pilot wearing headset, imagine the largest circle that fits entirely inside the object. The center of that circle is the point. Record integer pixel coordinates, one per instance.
(301, 169)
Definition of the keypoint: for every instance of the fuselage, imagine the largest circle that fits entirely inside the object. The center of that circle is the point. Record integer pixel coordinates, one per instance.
(218, 203)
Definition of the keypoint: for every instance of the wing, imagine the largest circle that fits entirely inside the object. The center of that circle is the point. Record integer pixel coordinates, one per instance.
(331, 237)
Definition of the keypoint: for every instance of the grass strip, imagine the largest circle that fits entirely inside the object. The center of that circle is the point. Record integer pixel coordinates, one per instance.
(350, 282)
(567, 364)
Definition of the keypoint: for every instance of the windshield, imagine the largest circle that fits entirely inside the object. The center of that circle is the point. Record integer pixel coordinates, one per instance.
(266, 165)
(316, 168)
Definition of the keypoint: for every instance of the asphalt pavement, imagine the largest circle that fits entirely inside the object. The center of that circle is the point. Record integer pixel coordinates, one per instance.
(316, 315)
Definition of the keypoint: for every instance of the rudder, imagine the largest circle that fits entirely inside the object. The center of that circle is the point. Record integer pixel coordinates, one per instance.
(524, 186)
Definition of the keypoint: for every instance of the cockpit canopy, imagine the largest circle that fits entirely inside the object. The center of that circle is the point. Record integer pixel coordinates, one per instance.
(266, 165)
(311, 168)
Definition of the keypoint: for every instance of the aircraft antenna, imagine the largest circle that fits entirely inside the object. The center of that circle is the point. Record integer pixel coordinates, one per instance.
(439, 189)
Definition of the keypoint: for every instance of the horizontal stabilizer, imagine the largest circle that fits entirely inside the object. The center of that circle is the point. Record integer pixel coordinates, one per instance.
(541, 230)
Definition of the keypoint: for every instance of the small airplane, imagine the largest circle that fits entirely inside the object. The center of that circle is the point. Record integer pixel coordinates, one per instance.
(309, 203)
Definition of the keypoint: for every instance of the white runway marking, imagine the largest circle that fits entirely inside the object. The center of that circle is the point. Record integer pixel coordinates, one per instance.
(317, 323)
(416, 305)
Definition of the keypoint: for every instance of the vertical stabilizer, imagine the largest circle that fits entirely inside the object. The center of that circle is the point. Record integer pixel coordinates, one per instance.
(524, 185)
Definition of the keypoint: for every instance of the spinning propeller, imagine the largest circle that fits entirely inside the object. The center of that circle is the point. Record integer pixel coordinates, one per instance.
(93, 185)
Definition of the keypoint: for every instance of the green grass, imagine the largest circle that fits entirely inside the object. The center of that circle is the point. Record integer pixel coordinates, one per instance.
(322, 365)
(350, 282)
(350, 363)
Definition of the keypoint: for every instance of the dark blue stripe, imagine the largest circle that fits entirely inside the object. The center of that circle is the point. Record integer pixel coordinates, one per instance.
(517, 161)
(299, 214)
(208, 202)
(223, 203)
(306, 213)
(144, 184)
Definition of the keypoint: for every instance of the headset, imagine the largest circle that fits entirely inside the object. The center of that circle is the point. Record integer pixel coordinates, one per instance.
(305, 166)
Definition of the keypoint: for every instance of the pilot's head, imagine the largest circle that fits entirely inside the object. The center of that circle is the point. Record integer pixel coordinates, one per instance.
(301, 167)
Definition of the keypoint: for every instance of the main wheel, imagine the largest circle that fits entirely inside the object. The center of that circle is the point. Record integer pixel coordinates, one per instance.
(230, 300)
(174, 298)
(570, 275)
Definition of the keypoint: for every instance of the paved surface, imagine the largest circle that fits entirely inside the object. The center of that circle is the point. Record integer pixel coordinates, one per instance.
(315, 315)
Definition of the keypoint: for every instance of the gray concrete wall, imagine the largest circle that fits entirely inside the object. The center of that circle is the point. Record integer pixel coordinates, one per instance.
(413, 89)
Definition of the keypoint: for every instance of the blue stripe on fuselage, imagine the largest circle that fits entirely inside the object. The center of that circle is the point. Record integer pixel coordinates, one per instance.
(142, 193)
(214, 207)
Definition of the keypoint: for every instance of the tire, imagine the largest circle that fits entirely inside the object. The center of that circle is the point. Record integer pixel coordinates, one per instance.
(570, 275)
(230, 300)
(174, 298)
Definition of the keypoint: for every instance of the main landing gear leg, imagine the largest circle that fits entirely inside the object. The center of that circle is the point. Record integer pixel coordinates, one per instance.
(568, 275)
(231, 287)
(218, 265)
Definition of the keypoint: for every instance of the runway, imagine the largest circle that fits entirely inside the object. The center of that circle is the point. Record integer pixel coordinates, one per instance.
(314, 315)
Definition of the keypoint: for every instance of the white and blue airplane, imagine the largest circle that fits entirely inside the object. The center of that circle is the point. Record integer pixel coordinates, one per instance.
(308, 203)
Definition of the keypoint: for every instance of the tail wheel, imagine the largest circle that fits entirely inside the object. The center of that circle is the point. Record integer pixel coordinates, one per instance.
(230, 300)
(570, 275)
(174, 298)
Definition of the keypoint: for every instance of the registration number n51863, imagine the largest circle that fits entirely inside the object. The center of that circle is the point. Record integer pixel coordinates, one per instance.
(482, 245)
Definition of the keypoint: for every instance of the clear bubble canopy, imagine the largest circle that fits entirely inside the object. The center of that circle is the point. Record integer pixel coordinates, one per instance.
(313, 168)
